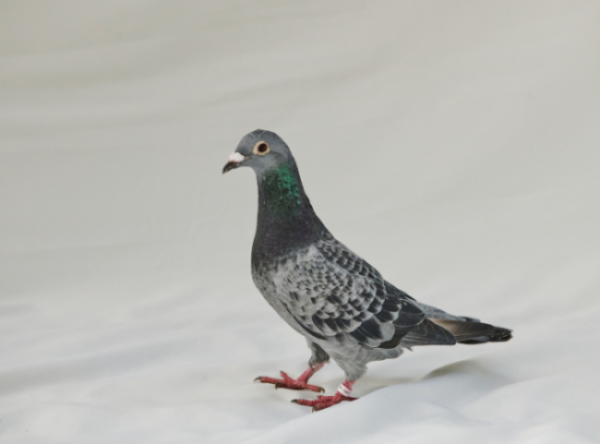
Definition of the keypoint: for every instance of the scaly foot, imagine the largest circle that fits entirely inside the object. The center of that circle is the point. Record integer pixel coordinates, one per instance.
(301, 383)
(323, 402)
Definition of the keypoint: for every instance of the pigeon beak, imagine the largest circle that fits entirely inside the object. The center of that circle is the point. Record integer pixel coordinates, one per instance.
(233, 162)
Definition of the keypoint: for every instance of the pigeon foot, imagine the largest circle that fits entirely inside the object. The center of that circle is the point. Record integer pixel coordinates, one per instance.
(301, 383)
(323, 402)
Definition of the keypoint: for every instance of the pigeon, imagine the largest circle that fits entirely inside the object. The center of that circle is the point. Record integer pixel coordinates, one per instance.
(340, 303)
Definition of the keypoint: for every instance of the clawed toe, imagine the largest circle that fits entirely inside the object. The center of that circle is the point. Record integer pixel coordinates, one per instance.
(323, 402)
(288, 383)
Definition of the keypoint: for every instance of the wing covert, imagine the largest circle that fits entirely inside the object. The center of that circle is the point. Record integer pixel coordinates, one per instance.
(333, 293)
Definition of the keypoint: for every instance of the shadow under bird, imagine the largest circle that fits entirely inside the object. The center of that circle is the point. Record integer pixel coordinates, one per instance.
(340, 303)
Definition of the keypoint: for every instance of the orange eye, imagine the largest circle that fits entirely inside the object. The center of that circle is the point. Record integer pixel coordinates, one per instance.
(261, 148)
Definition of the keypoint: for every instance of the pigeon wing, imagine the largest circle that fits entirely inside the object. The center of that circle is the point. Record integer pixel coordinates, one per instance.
(335, 294)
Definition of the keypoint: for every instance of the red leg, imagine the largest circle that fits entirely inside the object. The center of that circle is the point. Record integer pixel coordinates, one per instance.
(301, 383)
(322, 402)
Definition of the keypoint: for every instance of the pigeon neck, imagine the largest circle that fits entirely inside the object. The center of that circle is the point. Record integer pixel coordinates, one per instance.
(285, 216)
(282, 193)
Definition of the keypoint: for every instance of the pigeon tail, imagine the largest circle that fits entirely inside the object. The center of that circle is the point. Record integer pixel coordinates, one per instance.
(474, 332)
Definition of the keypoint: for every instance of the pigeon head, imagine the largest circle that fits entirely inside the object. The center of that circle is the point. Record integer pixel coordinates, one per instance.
(261, 150)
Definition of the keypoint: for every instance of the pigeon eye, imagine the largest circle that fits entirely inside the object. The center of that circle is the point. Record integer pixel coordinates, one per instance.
(261, 148)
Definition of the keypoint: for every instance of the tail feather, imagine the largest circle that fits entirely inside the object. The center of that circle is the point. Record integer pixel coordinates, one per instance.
(500, 334)
(428, 333)
(473, 332)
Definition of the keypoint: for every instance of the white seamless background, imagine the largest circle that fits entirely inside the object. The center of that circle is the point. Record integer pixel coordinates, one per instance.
(454, 145)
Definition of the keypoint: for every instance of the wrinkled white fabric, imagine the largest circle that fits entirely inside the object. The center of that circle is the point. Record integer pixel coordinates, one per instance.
(453, 145)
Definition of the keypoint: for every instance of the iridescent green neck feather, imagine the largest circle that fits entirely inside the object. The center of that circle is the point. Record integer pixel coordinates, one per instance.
(286, 220)
(282, 192)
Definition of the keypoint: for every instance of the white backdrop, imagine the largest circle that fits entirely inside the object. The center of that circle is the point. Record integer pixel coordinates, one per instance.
(454, 145)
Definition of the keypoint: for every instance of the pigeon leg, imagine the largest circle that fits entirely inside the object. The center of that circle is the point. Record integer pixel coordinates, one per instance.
(301, 383)
(322, 402)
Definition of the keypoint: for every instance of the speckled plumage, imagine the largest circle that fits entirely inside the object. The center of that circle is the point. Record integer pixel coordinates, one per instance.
(323, 290)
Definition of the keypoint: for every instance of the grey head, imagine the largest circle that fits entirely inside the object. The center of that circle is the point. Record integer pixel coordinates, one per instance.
(286, 219)
(262, 151)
